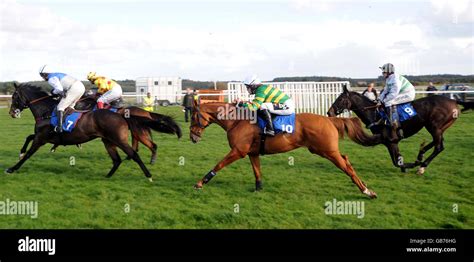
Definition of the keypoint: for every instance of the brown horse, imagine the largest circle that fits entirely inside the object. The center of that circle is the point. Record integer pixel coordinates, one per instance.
(319, 134)
(140, 132)
(112, 128)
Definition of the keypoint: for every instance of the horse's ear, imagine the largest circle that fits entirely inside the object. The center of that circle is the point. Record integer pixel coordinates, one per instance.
(344, 88)
(15, 85)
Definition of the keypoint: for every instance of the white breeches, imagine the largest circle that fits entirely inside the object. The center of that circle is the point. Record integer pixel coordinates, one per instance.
(72, 96)
(111, 95)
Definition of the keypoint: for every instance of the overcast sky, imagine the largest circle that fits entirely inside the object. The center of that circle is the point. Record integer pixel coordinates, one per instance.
(227, 40)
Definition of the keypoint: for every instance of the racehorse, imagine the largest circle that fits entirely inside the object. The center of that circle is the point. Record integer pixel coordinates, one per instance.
(142, 134)
(319, 134)
(435, 113)
(112, 128)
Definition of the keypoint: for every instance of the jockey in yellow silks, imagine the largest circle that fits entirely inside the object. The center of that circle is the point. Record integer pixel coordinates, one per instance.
(108, 89)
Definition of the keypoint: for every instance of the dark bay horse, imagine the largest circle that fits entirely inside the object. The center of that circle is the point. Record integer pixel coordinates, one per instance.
(435, 113)
(112, 128)
(319, 134)
(140, 132)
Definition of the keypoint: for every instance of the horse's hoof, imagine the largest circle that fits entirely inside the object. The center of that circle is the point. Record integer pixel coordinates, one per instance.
(420, 171)
(373, 195)
(150, 179)
(198, 186)
(370, 193)
(9, 171)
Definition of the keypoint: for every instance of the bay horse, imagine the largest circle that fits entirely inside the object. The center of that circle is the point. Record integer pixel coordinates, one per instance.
(435, 113)
(112, 128)
(142, 133)
(319, 134)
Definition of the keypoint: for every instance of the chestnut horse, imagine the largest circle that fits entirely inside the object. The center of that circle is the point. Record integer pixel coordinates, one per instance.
(319, 134)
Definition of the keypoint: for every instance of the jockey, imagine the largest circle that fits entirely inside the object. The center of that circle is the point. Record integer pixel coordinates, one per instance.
(109, 90)
(67, 87)
(398, 90)
(268, 100)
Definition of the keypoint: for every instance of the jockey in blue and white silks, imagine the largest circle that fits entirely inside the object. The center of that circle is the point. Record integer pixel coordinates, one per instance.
(397, 90)
(67, 87)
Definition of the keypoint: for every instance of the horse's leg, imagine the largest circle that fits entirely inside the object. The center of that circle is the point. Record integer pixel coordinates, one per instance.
(342, 162)
(397, 158)
(145, 139)
(233, 155)
(255, 160)
(134, 155)
(34, 147)
(438, 148)
(112, 150)
(134, 144)
(53, 149)
(25, 145)
(421, 153)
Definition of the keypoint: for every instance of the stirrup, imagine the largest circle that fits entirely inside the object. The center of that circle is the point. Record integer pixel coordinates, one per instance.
(269, 132)
(57, 130)
(400, 133)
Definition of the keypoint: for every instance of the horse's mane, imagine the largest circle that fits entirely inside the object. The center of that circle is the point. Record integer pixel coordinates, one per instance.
(32, 89)
(364, 98)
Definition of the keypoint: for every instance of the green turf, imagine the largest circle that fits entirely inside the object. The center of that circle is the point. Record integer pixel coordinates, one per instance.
(293, 197)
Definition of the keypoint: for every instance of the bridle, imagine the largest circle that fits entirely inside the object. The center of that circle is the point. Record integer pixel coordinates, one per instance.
(22, 104)
(26, 104)
(363, 109)
(199, 116)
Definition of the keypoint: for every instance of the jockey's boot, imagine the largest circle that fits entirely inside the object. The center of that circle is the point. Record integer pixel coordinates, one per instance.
(395, 129)
(267, 117)
(59, 127)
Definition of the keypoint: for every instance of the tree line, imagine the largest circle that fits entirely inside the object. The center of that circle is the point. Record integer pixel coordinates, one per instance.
(129, 85)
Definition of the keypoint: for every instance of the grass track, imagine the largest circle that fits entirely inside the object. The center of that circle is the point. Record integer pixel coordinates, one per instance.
(293, 197)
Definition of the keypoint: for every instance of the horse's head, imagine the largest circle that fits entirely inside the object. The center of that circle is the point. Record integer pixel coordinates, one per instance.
(200, 119)
(19, 102)
(343, 102)
(348, 100)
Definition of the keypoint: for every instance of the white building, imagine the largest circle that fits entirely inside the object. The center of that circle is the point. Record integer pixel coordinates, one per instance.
(167, 90)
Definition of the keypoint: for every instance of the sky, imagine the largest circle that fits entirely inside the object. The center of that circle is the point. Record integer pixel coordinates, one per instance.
(228, 40)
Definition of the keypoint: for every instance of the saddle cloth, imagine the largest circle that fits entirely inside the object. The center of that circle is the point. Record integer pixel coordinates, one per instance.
(280, 123)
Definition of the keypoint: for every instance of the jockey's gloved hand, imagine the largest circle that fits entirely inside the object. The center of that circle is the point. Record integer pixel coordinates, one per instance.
(378, 102)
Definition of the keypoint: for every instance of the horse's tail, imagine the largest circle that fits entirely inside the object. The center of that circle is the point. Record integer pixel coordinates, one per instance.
(355, 131)
(159, 123)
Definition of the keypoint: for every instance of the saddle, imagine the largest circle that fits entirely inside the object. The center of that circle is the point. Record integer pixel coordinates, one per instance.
(119, 103)
(281, 124)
